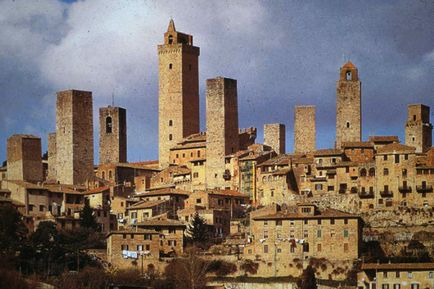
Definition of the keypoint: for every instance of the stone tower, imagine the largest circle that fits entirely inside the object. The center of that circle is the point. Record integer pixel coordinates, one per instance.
(348, 106)
(274, 136)
(418, 129)
(112, 135)
(24, 157)
(52, 174)
(178, 108)
(74, 136)
(221, 128)
(304, 129)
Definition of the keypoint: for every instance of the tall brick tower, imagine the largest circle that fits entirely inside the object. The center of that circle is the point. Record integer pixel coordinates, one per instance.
(221, 127)
(304, 129)
(178, 110)
(112, 135)
(348, 106)
(24, 158)
(418, 129)
(74, 136)
(274, 136)
(52, 172)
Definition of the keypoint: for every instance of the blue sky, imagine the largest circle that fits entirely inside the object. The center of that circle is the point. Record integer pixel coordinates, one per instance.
(282, 53)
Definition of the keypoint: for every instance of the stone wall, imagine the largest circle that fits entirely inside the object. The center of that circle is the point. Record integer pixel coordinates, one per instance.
(24, 158)
(418, 129)
(348, 106)
(274, 136)
(304, 129)
(221, 126)
(52, 174)
(74, 136)
(112, 135)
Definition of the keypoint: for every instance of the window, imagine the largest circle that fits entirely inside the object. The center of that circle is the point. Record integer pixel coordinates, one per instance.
(414, 286)
(332, 221)
(397, 274)
(318, 247)
(318, 187)
(396, 286)
(410, 275)
(124, 247)
(198, 201)
(198, 154)
(195, 175)
(265, 249)
(170, 122)
(279, 223)
(139, 247)
(170, 39)
(170, 65)
(108, 124)
(332, 233)
(345, 247)
(170, 136)
(348, 124)
(124, 236)
(318, 233)
(41, 208)
(147, 237)
(385, 172)
(346, 221)
(406, 157)
(103, 175)
(291, 234)
(348, 75)
(372, 172)
(396, 159)
(319, 221)
(404, 172)
(110, 174)
(148, 247)
(330, 188)
(306, 234)
(346, 234)
(431, 275)
(305, 247)
(363, 172)
(385, 286)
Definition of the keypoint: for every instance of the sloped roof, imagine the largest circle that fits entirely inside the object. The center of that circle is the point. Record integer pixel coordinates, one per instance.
(146, 204)
(324, 214)
(396, 147)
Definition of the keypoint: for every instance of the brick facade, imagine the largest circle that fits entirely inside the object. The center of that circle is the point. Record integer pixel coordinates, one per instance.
(348, 106)
(74, 136)
(112, 135)
(178, 90)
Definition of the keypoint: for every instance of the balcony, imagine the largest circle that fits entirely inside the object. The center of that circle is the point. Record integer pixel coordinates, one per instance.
(424, 189)
(386, 194)
(366, 195)
(404, 189)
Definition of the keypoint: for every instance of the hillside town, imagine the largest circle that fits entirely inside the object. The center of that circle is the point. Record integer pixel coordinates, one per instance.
(358, 214)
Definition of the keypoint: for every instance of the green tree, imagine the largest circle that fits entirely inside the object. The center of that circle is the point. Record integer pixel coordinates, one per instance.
(197, 230)
(87, 218)
(12, 230)
(45, 243)
(307, 280)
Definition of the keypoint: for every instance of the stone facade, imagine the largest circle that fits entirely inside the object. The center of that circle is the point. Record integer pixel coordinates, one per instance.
(418, 129)
(52, 174)
(222, 128)
(348, 106)
(304, 129)
(74, 136)
(274, 136)
(178, 90)
(24, 158)
(112, 135)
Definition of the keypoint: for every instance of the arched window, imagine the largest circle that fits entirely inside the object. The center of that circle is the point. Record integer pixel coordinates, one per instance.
(404, 172)
(170, 122)
(108, 124)
(110, 175)
(170, 136)
(270, 178)
(170, 65)
(372, 172)
(348, 124)
(385, 171)
(363, 172)
(348, 75)
(170, 39)
(264, 179)
(198, 154)
(103, 175)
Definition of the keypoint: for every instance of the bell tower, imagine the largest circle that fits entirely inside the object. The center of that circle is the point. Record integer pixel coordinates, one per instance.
(348, 105)
(178, 105)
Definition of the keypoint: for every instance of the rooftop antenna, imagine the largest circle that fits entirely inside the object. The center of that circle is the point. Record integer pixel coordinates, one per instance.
(113, 98)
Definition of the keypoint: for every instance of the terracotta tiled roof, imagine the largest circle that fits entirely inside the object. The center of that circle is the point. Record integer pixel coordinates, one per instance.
(358, 144)
(231, 193)
(328, 213)
(162, 192)
(349, 64)
(55, 188)
(282, 159)
(398, 266)
(97, 190)
(327, 152)
(383, 138)
(161, 223)
(146, 204)
(396, 147)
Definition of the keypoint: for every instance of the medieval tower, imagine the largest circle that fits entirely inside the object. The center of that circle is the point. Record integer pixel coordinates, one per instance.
(274, 136)
(74, 136)
(52, 174)
(348, 106)
(24, 158)
(112, 135)
(221, 128)
(178, 107)
(418, 129)
(304, 129)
